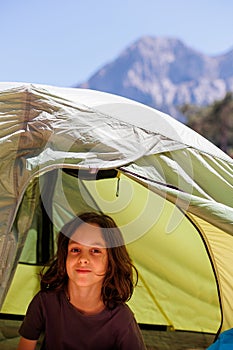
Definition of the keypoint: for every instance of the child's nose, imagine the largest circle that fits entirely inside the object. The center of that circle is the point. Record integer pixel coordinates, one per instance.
(83, 258)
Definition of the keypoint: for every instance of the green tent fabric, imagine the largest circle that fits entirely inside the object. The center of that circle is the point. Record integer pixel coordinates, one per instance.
(66, 150)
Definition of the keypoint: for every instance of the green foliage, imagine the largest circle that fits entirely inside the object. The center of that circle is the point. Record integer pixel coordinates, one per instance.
(214, 122)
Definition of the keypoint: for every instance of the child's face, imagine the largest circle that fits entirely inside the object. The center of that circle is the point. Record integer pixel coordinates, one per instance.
(87, 257)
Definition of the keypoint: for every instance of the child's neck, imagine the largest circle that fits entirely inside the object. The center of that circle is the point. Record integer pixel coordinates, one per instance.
(86, 300)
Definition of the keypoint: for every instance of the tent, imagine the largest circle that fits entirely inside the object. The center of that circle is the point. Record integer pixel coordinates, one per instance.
(66, 150)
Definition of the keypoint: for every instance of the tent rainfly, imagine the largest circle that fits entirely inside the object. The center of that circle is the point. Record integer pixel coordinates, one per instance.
(66, 150)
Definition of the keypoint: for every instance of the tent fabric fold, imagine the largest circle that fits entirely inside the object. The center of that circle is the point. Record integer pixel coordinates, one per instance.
(66, 150)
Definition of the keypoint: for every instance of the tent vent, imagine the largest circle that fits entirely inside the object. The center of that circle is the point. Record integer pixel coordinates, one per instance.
(89, 175)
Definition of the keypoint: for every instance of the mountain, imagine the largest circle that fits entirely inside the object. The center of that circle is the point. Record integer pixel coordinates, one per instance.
(164, 73)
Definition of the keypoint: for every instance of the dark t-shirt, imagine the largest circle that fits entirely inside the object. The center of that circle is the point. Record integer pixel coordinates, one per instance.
(65, 328)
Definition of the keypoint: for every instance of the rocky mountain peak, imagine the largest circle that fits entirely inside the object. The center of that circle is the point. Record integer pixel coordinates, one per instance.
(165, 73)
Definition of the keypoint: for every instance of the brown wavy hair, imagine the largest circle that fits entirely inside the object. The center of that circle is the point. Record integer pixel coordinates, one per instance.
(118, 284)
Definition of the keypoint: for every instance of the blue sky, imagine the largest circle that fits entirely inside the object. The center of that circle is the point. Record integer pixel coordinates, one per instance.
(63, 42)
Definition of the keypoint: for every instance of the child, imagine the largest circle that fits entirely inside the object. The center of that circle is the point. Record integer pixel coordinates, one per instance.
(81, 304)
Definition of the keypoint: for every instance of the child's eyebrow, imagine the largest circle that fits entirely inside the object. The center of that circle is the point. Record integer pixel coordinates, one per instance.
(94, 244)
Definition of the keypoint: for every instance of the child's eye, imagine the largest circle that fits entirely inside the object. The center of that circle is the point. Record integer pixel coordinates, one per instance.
(75, 250)
(96, 251)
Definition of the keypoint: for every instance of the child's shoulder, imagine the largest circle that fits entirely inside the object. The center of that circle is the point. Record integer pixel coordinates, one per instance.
(123, 313)
(48, 295)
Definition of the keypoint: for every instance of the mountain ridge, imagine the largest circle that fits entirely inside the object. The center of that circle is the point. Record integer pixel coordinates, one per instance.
(165, 73)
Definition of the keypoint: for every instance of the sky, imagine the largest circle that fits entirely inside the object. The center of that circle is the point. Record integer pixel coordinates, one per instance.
(64, 42)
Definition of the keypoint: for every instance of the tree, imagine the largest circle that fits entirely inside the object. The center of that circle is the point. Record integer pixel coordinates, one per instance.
(214, 122)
